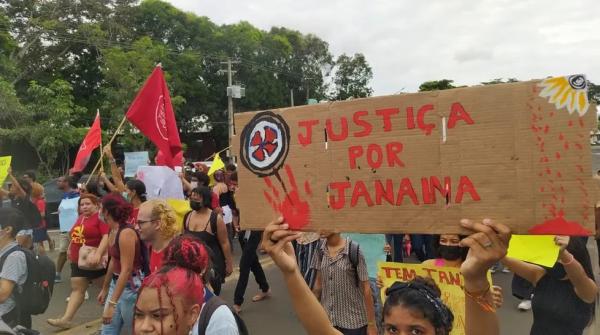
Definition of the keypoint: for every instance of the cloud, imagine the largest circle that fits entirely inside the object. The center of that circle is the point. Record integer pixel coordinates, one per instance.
(409, 42)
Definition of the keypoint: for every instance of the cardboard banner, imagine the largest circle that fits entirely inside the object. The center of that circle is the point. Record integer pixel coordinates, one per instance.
(418, 163)
(161, 182)
(4, 165)
(133, 160)
(448, 279)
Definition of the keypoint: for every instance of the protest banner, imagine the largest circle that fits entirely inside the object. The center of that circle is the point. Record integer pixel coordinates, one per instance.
(4, 166)
(418, 163)
(135, 159)
(161, 182)
(448, 279)
(534, 249)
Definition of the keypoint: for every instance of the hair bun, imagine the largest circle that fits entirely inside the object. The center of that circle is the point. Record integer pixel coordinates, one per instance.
(427, 284)
(187, 252)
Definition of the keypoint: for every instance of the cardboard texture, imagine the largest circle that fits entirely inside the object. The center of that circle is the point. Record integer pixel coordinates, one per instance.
(417, 163)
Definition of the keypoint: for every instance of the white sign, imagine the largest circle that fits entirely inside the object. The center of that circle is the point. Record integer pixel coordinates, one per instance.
(133, 160)
(161, 182)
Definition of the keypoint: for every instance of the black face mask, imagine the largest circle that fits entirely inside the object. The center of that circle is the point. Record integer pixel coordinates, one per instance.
(196, 205)
(557, 271)
(450, 253)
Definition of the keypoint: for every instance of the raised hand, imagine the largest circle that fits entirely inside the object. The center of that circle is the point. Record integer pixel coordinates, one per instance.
(487, 244)
(294, 208)
(276, 241)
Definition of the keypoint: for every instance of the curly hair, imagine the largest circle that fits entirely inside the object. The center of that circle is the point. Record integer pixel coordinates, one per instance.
(119, 209)
(163, 212)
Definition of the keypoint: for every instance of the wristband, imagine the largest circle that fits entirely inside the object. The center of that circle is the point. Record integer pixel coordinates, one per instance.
(569, 262)
(112, 303)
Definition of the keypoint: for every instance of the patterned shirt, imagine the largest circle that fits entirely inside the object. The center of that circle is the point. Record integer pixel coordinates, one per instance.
(341, 298)
(15, 270)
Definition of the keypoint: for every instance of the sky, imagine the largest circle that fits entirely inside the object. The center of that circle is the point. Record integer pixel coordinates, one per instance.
(409, 42)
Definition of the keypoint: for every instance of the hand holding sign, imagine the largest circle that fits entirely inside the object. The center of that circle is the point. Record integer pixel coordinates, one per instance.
(487, 245)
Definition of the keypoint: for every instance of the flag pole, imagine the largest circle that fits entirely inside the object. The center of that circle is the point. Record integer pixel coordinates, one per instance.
(109, 143)
(216, 153)
(101, 146)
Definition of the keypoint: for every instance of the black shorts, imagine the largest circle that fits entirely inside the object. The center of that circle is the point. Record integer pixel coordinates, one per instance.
(76, 272)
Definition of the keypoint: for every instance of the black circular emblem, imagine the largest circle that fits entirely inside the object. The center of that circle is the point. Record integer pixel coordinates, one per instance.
(577, 82)
(264, 143)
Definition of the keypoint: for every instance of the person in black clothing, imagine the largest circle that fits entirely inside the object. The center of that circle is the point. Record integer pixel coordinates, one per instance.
(564, 297)
(249, 241)
(208, 226)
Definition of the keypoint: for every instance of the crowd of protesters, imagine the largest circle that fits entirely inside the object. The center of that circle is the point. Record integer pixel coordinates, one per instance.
(157, 276)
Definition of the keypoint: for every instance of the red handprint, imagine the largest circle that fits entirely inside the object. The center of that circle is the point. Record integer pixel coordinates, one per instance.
(294, 209)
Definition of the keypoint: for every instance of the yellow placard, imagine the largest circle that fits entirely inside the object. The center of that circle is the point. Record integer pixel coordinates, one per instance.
(448, 279)
(4, 165)
(539, 249)
(181, 207)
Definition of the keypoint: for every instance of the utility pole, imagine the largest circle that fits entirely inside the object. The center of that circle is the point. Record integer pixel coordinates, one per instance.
(230, 97)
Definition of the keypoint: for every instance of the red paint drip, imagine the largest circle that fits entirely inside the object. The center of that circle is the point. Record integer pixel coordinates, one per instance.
(546, 129)
(559, 226)
(561, 136)
(581, 124)
(570, 123)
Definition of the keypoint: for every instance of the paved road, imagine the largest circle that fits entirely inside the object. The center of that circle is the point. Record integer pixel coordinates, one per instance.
(275, 315)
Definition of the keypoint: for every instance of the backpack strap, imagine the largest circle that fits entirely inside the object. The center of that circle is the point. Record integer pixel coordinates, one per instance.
(6, 254)
(207, 311)
(353, 253)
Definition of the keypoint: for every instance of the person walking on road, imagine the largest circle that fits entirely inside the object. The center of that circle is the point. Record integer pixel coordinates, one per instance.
(88, 231)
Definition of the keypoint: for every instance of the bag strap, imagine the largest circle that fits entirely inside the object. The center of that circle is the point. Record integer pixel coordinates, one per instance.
(6, 254)
(207, 311)
(354, 255)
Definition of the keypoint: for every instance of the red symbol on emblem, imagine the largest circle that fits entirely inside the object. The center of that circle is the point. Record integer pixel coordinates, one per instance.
(265, 146)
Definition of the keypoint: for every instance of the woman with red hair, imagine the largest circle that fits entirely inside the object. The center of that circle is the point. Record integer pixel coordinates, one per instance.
(125, 270)
(174, 300)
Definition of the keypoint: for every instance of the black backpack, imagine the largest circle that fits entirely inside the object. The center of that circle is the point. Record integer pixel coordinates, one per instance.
(209, 308)
(37, 290)
(353, 253)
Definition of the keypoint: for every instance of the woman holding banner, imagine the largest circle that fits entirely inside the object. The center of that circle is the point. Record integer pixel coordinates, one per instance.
(564, 297)
(412, 307)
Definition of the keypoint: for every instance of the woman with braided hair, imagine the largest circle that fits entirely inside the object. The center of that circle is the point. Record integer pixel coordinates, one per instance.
(411, 308)
(171, 300)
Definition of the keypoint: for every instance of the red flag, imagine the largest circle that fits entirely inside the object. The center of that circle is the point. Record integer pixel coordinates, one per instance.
(151, 112)
(92, 140)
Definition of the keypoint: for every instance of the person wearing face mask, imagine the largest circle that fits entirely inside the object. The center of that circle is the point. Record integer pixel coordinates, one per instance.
(197, 179)
(448, 252)
(208, 226)
(564, 296)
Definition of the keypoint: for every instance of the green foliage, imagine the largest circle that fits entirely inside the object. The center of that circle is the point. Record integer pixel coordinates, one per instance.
(435, 85)
(352, 77)
(61, 60)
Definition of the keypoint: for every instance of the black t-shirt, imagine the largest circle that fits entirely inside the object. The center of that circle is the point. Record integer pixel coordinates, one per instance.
(557, 310)
(33, 219)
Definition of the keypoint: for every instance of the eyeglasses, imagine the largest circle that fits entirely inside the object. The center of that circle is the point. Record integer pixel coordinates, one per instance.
(140, 222)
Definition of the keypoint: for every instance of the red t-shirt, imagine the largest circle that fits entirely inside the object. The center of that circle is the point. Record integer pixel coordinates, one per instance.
(215, 201)
(156, 259)
(88, 231)
(41, 206)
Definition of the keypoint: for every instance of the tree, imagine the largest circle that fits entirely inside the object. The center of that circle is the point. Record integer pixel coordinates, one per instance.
(435, 85)
(500, 81)
(593, 93)
(352, 77)
(45, 123)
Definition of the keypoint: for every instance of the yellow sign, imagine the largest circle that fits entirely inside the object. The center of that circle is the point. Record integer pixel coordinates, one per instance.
(448, 279)
(534, 249)
(4, 165)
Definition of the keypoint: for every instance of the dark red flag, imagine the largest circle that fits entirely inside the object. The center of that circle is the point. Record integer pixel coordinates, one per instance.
(92, 140)
(151, 112)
